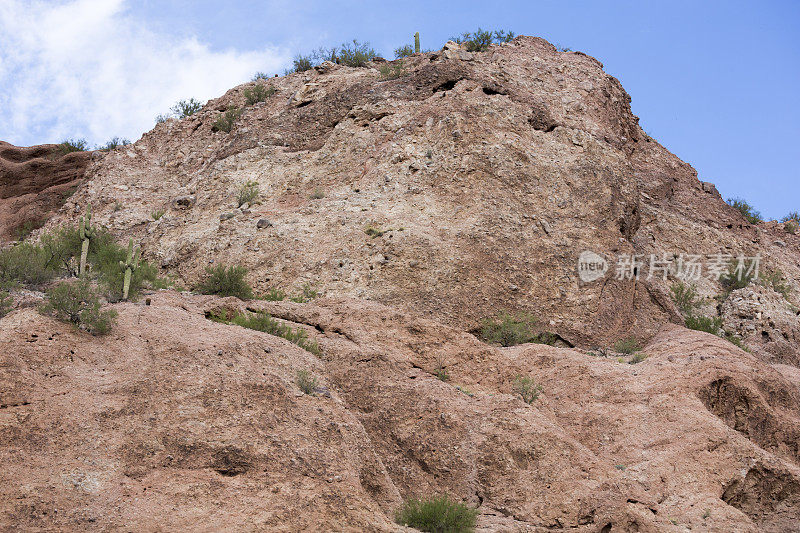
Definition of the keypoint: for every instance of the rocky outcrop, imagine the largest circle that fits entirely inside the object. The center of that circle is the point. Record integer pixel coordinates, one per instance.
(150, 429)
(34, 183)
(483, 178)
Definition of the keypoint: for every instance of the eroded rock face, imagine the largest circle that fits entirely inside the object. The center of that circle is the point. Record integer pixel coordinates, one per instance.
(34, 183)
(174, 421)
(484, 178)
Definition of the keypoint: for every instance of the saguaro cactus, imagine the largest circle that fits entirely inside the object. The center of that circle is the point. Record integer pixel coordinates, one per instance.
(129, 266)
(416, 43)
(87, 233)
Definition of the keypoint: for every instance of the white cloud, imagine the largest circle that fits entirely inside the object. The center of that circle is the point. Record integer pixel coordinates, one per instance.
(86, 68)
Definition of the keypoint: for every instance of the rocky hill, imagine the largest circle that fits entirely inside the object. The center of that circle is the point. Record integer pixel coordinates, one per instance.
(418, 203)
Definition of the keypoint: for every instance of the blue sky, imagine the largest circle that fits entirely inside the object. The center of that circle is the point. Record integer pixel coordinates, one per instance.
(714, 82)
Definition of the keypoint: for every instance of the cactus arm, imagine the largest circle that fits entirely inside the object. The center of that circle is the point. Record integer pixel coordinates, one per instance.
(416, 43)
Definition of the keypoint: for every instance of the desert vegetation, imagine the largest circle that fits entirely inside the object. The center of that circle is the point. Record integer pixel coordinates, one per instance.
(438, 514)
(222, 280)
(73, 145)
(224, 121)
(747, 211)
(258, 93)
(77, 302)
(480, 40)
(506, 330)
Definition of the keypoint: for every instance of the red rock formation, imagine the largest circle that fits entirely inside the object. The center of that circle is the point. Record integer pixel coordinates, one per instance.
(34, 182)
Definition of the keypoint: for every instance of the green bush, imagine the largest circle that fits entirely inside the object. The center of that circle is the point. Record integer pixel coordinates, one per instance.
(260, 76)
(790, 227)
(480, 40)
(794, 216)
(747, 210)
(307, 294)
(247, 193)
(115, 143)
(105, 261)
(775, 281)
(708, 324)
(6, 303)
(637, 358)
(225, 121)
(263, 322)
(306, 381)
(685, 297)
(404, 51)
(438, 514)
(735, 279)
(356, 54)
(73, 145)
(226, 281)
(509, 330)
(274, 295)
(527, 388)
(186, 108)
(391, 71)
(627, 346)
(77, 303)
(258, 93)
(302, 63)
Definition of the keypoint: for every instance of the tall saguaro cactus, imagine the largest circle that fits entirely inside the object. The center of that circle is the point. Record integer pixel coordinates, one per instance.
(129, 266)
(416, 43)
(87, 233)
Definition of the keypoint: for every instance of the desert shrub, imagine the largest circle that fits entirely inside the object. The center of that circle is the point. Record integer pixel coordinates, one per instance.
(391, 71)
(158, 213)
(105, 260)
(403, 51)
(26, 228)
(685, 297)
(356, 54)
(480, 40)
(73, 145)
(793, 216)
(225, 121)
(274, 295)
(306, 381)
(438, 514)
(637, 358)
(733, 339)
(747, 210)
(527, 388)
(263, 322)
(247, 193)
(186, 108)
(736, 277)
(441, 371)
(790, 227)
(307, 294)
(6, 303)
(775, 281)
(162, 117)
(318, 194)
(509, 330)
(260, 76)
(226, 281)
(76, 302)
(302, 63)
(258, 93)
(708, 324)
(27, 263)
(506, 330)
(115, 143)
(627, 346)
